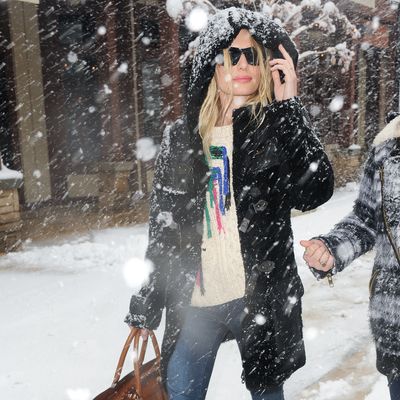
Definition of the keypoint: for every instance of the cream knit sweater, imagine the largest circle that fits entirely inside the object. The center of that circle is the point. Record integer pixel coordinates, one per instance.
(221, 257)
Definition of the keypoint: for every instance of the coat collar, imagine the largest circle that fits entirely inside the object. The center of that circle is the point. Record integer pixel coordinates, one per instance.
(391, 131)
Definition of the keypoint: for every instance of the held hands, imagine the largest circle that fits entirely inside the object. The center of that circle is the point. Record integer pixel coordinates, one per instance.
(317, 255)
(288, 89)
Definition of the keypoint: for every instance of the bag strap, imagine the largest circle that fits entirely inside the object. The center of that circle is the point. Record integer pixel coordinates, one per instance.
(138, 362)
(122, 357)
(387, 229)
(134, 336)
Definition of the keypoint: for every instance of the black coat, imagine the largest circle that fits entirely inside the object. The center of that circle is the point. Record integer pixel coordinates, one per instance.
(277, 166)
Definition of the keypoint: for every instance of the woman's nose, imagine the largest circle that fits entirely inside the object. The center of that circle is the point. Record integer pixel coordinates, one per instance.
(242, 63)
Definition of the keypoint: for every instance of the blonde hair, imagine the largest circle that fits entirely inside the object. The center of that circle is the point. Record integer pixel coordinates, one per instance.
(211, 108)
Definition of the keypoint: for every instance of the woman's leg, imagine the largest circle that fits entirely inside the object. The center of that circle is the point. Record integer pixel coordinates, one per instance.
(394, 388)
(190, 366)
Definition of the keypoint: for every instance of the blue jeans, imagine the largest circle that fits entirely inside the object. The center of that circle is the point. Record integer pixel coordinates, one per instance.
(191, 364)
(394, 388)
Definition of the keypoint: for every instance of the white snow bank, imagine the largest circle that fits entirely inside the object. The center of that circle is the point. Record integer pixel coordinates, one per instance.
(63, 307)
(102, 250)
(6, 173)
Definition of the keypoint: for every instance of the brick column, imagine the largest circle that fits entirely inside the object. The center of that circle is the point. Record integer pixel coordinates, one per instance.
(30, 100)
(170, 68)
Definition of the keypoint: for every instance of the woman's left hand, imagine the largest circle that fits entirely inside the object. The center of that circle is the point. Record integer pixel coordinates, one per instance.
(288, 89)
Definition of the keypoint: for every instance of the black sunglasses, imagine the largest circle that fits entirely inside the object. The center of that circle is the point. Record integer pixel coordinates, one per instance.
(249, 52)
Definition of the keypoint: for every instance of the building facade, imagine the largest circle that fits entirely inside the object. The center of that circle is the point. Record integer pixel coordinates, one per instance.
(82, 81)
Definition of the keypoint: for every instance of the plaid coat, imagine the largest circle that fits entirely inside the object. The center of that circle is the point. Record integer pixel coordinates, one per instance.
(374, 222)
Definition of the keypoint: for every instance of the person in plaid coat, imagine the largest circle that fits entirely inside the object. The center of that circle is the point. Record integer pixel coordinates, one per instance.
(373, 223)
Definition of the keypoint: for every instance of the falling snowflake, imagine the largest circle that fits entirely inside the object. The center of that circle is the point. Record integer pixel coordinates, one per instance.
(72, 57)
(101, 30)
(375, 23)
(219, 59)
(123, 68)
(107, 89)
(260, 319)
(166, 80)
(136, 272)
(146, 41)
(197, 19)
(174, 8)
(336, 104)
(315, 110)
(146, 149)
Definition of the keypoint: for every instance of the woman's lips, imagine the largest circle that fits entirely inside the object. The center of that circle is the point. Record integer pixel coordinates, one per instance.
(242, 79)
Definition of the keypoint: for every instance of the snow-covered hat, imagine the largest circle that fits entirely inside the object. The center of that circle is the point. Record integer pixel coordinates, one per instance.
(221, 29)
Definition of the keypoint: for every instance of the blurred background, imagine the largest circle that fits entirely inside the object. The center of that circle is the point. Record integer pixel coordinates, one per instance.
(88, 87)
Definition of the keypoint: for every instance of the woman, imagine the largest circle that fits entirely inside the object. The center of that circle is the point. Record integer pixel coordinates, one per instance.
(226, 178)
(374, 221)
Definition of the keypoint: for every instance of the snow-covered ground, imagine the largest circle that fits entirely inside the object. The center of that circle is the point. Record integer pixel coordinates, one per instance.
(62, 308)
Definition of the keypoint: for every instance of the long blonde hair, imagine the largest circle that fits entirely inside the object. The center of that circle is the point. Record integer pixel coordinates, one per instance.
(211, 108)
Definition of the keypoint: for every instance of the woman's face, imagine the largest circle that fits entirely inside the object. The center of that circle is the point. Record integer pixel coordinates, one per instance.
(244, 78)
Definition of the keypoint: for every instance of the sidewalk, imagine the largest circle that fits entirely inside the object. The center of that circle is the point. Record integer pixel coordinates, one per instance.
(63, 304)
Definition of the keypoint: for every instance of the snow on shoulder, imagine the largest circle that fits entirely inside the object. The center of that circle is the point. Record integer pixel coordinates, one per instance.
(390, 131)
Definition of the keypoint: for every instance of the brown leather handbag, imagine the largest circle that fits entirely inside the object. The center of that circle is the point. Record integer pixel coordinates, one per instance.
(144, 382)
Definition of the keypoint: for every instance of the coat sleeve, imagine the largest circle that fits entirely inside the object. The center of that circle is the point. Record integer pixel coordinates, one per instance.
(146, 307)
(356, 233)
(310, 176)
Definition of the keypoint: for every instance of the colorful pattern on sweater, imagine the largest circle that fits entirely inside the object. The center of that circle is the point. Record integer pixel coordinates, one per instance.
(219, 197)
(218, 189)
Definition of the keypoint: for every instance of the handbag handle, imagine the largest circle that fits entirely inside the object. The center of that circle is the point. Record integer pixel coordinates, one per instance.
(138, 362)
(134, 335)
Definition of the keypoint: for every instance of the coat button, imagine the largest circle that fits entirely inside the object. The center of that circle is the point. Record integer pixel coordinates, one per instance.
(266, 266)
(260, 206)
(244, 225)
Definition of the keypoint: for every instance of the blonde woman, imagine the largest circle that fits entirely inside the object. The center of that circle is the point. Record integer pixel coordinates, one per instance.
(220, 240)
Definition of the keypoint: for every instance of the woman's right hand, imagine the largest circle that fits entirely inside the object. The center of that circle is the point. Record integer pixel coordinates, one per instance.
(317, 255)
(144, 333)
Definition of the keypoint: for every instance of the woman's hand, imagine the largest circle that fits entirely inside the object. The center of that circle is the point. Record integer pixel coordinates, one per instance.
(317, 255)
(288, 89)
(144, 333)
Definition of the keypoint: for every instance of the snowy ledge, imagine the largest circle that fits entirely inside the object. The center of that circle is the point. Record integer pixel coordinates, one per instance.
(10, 183)
(10, 179)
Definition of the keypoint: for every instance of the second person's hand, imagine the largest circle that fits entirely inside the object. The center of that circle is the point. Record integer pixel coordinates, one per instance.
(317, 255)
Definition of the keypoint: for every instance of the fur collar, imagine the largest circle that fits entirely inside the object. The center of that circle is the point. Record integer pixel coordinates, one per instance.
(390, 131)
